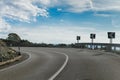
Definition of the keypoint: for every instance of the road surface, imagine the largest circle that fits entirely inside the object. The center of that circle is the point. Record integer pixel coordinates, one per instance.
(70, 63)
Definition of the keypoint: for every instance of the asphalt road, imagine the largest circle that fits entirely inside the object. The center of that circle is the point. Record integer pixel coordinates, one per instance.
(43, 63)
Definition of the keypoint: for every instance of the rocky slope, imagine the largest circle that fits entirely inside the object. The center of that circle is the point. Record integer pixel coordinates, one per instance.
(6, 53)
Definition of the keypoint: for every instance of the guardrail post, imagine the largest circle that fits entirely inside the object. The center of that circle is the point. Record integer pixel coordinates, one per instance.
(114, 48)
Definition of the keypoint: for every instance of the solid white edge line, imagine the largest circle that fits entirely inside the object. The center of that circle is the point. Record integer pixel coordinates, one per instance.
(62, 67)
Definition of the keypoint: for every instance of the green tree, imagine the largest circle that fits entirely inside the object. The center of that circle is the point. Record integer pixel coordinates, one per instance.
(15, 38)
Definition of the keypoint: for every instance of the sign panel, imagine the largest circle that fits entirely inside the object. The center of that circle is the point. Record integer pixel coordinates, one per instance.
(78, 37)
(92, 36)
(111, 35)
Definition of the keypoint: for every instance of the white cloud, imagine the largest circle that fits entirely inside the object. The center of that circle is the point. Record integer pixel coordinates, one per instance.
(49, 3)
(20, 10)
(102, 14)
(26, 10)
(79, 5)
(95, 5)
(62, 34)
(106, 5)
(4, 27)
(86, 5)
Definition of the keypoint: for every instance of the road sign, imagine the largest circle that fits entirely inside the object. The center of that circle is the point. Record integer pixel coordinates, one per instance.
(111, 35)
(92, 36)
(78, 37)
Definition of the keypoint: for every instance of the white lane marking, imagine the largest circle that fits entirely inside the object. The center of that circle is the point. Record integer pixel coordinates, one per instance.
(62, 67)
(12, 66)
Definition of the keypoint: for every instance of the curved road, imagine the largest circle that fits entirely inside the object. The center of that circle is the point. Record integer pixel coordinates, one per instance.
(82, 65)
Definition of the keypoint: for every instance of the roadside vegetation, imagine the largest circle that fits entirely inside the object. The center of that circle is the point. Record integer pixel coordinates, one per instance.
(7, 53)
(26, 43)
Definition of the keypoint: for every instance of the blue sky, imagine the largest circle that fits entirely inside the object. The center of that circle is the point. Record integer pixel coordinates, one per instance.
(60, 21)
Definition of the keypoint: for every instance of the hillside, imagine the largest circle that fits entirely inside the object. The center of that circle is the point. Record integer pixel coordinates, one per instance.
(6, 53)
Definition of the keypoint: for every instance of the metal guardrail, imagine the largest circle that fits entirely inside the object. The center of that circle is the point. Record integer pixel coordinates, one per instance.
(102, 46)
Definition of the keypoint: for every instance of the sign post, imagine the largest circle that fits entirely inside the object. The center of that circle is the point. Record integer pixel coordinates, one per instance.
(111, 36)
(78, 38)
(92, 37)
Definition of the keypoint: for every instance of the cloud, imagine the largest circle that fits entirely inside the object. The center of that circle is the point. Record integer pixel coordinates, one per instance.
(20, 10)
(78, 5)
(103, 14)
(28, 10)
(49, 34)
(4, 27)
(106, 5)
(48, 3)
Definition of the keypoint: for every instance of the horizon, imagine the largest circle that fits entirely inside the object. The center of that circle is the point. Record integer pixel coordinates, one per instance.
(60, 21)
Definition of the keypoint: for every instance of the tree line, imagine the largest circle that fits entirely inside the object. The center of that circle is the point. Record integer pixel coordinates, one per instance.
(14, 40)
(26, 43)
